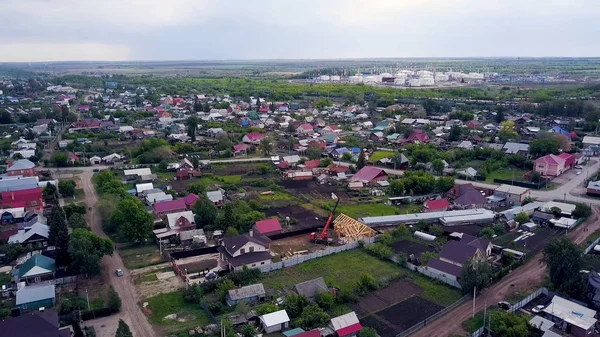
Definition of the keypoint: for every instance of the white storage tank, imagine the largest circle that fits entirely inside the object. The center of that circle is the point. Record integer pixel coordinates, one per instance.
(425, 236)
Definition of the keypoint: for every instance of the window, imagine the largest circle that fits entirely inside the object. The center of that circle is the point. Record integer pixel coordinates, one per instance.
(251, 249)
(254, 265)
(242, 251)
(262, 262)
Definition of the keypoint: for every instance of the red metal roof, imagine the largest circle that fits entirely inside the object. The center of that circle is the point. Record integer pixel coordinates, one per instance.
(268, 225)
(433, 205)
(255, 136)
(311, 164)
(170, 205)
(191, 198)
(367, 174)
(351, 329)
(310, 333)
(22, 195)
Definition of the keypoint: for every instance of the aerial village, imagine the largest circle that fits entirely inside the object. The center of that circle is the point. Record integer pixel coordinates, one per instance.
(203, 214)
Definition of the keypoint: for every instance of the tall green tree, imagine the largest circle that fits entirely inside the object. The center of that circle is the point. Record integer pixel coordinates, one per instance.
(87, 249)
(59, 232)
(455, 133)
(475, 274)
(265, 146)
(565, 261)
(123, 330)
(76, 220)
(66, 188)
(192, 126)
(132, 219)
(438, 166)
(205, 212)
(361, 161)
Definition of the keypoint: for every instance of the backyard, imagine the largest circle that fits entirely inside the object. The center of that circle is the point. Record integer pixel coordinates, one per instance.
(378, 155)
(140, 256)
(173, 315)
(506, 174)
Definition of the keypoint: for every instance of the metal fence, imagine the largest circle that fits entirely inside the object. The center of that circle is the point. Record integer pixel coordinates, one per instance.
(433, 317)
(434, 274)
(303, 258)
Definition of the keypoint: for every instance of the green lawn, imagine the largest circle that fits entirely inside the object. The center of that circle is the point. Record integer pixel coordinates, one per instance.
(277, 196)
(97, 303)
(588, 241)
(189, 315)
(472, 324)
(476, 164)
(165, 176)
(342, 270)
(140, 256)
(436, 292)
(378, 155)
(516, 174)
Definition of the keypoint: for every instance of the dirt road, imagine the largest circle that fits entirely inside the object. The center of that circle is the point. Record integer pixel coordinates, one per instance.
(528, 276)
(131, 312)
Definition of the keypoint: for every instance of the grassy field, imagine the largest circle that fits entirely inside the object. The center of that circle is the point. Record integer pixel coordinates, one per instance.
(515, 174)
(140, 256)
(436, 292)
(472, 324)
(378, 155)
(188, 315)
(342, 270)
(588, 241)
(277, 196)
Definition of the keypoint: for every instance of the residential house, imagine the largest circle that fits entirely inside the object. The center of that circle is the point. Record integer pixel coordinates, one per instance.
(305, 129)
(185, 174)
(190, 200)
(469, 173)
(36, 235)
(191, 236)
(473, 125)
(516, 148)
(331, 129)
(436, 205)
(31, 199)
(467, 196)
(268, 227)
(36, 269)
(465, 144)
(550, 165)
(253, 138)
(311, 164)
(250, 293)
(311, 288)
(569, 158)
(514, 194)
(161, 196)
(345, 325)
(418, 136)
(95, 160)
(35, 297)
(216, 197)
(275, 321)
(240, 149)
(113, 158)
(38, 324)
(455, 254)
(591, 146)
(181, 221)
(251, 250)
(369, 175)
(166, 207)
(21, 167)
(136, 173)
(141, 188)
(571, 317)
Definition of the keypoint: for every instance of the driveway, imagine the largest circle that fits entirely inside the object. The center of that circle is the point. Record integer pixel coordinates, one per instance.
(131, 311)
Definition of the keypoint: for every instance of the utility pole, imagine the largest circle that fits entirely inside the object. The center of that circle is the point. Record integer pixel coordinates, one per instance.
(474, 288)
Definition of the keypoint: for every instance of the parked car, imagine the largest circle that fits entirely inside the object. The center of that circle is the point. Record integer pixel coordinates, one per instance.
(504, 305)
(119, 272)
(578, 173)
(579, 167)
(537, 309)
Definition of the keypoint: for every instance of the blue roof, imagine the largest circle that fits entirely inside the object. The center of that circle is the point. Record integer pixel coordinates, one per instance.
(132, 191)
(29, 294)
(293, 332)
(245, 122)
(560, 130)
(356, 150)
(342, 150)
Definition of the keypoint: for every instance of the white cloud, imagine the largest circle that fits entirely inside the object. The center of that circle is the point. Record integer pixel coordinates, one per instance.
(47, 52)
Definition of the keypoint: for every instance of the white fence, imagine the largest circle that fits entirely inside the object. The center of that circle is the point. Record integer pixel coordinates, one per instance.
(434, 274)
(303, 258)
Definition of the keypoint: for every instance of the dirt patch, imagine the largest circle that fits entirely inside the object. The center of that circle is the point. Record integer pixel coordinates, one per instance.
(411, 247)
(395, 292)
(165, 282)
(304, 217)
(401, 316)
(296, 243)
(311, 188)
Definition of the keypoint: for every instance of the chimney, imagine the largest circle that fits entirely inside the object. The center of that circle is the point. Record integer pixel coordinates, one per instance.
(251, 232)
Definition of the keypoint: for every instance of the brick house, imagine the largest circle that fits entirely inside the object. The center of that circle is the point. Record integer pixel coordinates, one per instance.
(21, 167)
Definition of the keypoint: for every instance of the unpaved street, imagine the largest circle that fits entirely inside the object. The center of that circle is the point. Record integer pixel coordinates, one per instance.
(528, 276)
(131, 312)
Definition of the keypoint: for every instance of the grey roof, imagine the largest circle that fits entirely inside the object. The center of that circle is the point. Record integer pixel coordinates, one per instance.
(38, 324)
(21, 164)
(458, 252)
(312, 287)
(189, 235)
(253, 290)
(445, 267)
(9, 185)
(448, 216)
(214, 196)
(245, 259)
(25, 234)
(234, 243)
(542, 215)
(31, 294)
(511, 147)
(469, 195)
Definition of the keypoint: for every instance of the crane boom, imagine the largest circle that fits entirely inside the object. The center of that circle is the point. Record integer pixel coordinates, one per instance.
(324, 232)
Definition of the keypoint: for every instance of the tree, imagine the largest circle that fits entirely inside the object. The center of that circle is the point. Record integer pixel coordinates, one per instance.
(367, 332)
(67, 188)
(475, 274)
(272, 107)
(132, 219)
(499, 116)
(205, 212)
(49, 191)
(361, 161)
(522, 218)
(444, 184)
(438, 166)
(325, 162)
(556, 211)
(325, 300)
(123, 330)
(87, 249)
(508, 131)
(76, 220)
(536, 177)
(229, 218)
(192, 126)
(347, 156)
(396, 187)
(6, 118)
(231, 232)
(266, 308)
(294, 305)
(509, 324)
(197, 188)
(487, 233)
(60, 159)
(223, 288)
(455, 133)
(114, 301)
(313, 153)
(248, 330)
(582, 211)
(543, 146)
(312, 317)
(265, 146)
(59, 232)
(366, 283)
(565, 261)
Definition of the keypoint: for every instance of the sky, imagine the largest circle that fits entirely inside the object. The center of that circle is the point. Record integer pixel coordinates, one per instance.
(128, 30)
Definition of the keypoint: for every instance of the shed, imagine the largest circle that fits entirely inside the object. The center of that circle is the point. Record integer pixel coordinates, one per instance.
(275, 321)
(346, 325)
(268, 226)
(35, 297)
(530, 226)
(250, 293)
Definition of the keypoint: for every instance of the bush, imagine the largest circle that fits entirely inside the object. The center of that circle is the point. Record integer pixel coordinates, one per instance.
(325, 300)
(366, 283)
(379, 250)
(215, 307)
(193, 294)
(582, 211)
(223, 288)
(114, 301)
(266, 308)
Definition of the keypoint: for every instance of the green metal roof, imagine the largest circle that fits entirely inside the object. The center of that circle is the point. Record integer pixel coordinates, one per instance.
(38, 260)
